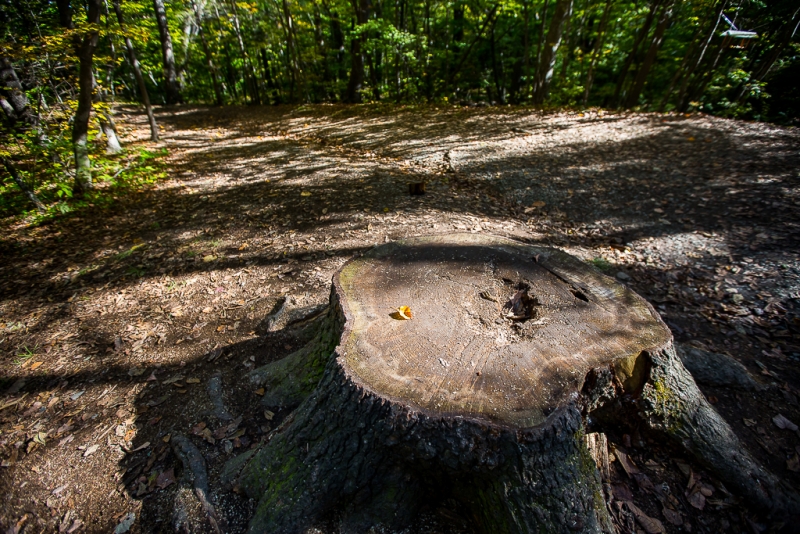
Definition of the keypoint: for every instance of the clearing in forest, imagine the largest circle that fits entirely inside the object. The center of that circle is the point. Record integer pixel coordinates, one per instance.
(125, 326)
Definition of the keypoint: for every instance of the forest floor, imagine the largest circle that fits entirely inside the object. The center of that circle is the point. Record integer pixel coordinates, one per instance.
(113, 321)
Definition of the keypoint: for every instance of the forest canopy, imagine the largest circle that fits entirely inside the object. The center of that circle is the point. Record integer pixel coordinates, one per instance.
(65, 63)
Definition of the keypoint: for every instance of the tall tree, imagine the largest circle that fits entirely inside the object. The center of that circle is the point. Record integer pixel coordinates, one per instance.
(80, 126)
(598, 45)
(650, 57)
(687, 75)
(137, 73)
(634, 51)
(212, 70)
(544, 71)
(356, 82)
(172, 86)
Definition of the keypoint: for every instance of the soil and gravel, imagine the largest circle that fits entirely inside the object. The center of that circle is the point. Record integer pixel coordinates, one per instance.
(124, 329)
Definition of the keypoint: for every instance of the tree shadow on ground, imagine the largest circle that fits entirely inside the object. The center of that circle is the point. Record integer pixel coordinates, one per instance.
(246, 205)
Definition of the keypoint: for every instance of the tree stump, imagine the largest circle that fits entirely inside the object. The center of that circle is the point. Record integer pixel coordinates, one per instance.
(512, 353)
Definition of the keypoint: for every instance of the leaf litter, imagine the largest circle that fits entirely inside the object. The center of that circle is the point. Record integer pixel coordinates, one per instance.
(710, 240)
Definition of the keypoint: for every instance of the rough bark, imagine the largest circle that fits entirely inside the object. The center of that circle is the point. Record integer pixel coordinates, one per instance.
(544, 70)
(392, 411)
(172, 87)
(137, 73)
(80, 126)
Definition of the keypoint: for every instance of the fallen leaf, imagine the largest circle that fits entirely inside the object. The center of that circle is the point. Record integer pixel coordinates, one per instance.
(260, 392)
(165, 479)
(91, 450)
(626, 463)
(209, 258)
(783, 423)
(697, 499)
(192, 380)
(36, 365)
(539, 204)
(622, 492)
(268, 415)
(305, 194)
(650, 524)
(206, 435)
(672, 516)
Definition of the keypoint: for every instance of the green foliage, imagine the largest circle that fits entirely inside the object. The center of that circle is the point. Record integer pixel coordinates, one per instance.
(448, 51)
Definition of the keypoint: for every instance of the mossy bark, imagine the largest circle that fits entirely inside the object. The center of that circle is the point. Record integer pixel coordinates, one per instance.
(663, 398)
(288, 381)
(349, 449)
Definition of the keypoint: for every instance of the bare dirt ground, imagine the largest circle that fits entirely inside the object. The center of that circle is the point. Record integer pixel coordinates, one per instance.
(113, 323)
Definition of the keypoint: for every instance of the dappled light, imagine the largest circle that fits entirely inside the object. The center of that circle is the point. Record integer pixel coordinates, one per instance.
(115, 319)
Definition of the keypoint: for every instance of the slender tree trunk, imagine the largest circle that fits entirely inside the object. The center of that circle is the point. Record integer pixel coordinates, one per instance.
(356, 82)
(65, 14)
(700, 86)
(648, 21)
(542, 35)
(567, 48)
(80, 127)
(489, 20)
(212, 70)
(137, 73)
(544, 72)
(688, 75)
(526, 50)
(107, 126)
(173, 90)
(223, 44)
(598, 45)
(25, 188)
(250, 75)
(690, 51)
(495, 69)
(650, 58)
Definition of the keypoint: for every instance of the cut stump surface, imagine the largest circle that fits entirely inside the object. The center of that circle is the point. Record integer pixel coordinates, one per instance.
(466, 351)
(511, 354)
